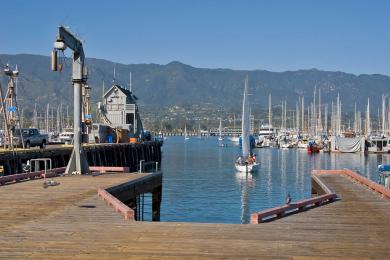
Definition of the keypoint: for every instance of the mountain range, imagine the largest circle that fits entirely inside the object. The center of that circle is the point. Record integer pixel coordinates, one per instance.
(175, 83)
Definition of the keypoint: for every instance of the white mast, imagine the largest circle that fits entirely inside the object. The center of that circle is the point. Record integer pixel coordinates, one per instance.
(326, 120)
(103, 91)
(245, 122)
(113, 80)
(297, 116)
(338, 121)
(47, 117)
(368, 123)
(234, 121)
(308, 119)
(282, 115)
(319, 111)
(269, 110)
(355, 121)
(130, 82)
(285, 113)
(67, 116)
(303, 113)
(220, 127)
(383, 115)
(315, 111)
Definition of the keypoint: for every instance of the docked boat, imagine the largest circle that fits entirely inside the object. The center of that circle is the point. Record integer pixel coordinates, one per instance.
(262, 142)
(312, 147)
(185, 134)
(384, 175)
(220, 137)
(247, 161)
(234, 139)
(66, 136)
(302, 144)
(378, 144)
(266, 136)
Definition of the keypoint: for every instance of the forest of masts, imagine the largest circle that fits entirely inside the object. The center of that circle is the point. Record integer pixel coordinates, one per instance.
(53, 120)
(314, 119)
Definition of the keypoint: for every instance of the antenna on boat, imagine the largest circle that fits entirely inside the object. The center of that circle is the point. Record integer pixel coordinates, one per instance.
(130, 82)
(103, 90)
(113, 80)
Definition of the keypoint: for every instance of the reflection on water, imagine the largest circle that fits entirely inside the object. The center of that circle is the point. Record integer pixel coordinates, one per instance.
(246, 183)
(200, 183)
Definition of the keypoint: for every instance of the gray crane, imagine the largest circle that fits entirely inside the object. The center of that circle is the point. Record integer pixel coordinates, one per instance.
(78, 163)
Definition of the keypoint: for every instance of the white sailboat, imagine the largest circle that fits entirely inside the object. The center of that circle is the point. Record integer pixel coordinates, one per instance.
(234, 138)
(220, 137)
(246, 162)
(185, 133)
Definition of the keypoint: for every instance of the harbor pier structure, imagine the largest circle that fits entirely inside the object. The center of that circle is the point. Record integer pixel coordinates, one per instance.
(71, 221)
(123, 154)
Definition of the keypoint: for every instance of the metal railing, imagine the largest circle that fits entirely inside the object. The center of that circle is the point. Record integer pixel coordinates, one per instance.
(142, 166)
(14, 178)
(35, 164)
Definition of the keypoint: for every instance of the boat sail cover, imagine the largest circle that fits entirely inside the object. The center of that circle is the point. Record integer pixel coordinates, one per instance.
(349, 145)
(245, 122)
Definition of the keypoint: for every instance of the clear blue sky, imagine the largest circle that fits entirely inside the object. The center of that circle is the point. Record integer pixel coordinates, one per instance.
(351, 36)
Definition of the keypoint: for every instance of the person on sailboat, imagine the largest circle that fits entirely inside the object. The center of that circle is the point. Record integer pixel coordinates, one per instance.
(241, 160)
(252, 158)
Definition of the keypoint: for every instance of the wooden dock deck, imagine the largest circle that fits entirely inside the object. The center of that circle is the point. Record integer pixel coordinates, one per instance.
(69, 221)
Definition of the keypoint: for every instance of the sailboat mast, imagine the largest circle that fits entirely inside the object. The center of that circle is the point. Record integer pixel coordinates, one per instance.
(245, 122)
(269, 114)
(234, 121)
(303, 113)
(383, 114)
(319, 111)
(297, 115)
(326, 120)
(355, 121)
(47, 117)
(220, 127)
(130, 82)
(314, 111)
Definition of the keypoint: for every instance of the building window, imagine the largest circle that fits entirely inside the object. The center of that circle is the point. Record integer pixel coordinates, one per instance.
(130, 118)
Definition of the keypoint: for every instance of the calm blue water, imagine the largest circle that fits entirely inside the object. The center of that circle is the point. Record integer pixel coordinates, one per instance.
(200, 183)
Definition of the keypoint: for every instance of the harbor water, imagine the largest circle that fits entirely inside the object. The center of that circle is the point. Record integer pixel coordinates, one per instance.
(200, 183)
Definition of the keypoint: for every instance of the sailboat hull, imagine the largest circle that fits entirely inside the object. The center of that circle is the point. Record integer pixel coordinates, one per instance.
(235, 139)
(248, 167)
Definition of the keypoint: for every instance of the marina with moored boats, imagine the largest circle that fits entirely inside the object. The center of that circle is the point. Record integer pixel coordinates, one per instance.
(308, 180)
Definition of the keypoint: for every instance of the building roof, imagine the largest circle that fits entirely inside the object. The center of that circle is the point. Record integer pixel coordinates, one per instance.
(125, 91)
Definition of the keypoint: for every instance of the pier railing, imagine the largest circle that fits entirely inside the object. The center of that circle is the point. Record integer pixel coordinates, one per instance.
(116, 204)
(358, 178)
(31, 175)
(104, 169)
(278, 212)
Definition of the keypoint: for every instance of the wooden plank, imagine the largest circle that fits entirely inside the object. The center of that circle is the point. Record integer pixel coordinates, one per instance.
(359, 178)
(73, 223)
